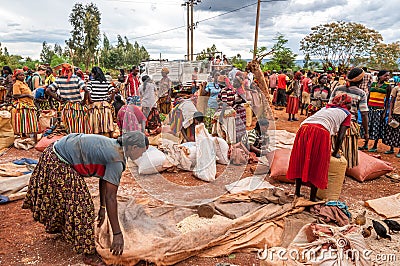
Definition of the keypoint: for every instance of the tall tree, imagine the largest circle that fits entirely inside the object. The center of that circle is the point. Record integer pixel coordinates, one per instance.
(282, 57)
(385, 56)
(338, 43)
(91, 25)
(76, 42)
(57, 49)
(85, 33)
(46, 54)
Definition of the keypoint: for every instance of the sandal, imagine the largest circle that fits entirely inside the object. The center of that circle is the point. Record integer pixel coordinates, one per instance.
(398, 155)
(373, 150)
(389, 152)
(363, 148)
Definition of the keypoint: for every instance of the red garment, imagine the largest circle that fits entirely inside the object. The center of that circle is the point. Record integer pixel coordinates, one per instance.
(311, 155)
(133, 85)
(282, 81)
(130, 118)
(305, 83)
(275, 97)
(292, 105)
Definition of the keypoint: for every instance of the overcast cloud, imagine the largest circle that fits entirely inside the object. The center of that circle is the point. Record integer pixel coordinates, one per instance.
(25, 24)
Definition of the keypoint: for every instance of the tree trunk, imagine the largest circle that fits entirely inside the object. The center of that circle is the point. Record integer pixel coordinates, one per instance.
(255, 68)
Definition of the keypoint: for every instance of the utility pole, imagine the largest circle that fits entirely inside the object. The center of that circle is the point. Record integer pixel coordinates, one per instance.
(191, 30)
(256, 31)
(186, 4)
(190, 27)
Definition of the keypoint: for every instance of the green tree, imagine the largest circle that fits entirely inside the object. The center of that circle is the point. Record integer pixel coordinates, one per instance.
(85, 33)
(75, 44)
(91, 27)
(205, 53)
(385, 56)
(282, 57)
(338, 43)
(123, 55)
(57, 49)
(57, 60)
(47, 53)
(238, 62)
(306, 61)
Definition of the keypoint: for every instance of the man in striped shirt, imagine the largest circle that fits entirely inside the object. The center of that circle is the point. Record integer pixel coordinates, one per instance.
(359, 103)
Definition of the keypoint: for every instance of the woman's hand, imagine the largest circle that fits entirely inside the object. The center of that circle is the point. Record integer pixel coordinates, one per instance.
(117, 246)
(101, 216)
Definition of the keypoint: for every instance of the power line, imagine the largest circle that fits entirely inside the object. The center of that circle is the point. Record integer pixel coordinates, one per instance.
(213, 17)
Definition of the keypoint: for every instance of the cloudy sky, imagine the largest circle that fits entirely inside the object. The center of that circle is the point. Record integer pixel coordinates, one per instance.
(25, 24)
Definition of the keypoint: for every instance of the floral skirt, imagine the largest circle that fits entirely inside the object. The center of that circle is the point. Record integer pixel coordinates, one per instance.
(376, 126)
(59, 199)
(392, 135)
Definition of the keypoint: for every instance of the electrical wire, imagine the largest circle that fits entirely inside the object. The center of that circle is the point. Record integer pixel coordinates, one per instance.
(206, 19)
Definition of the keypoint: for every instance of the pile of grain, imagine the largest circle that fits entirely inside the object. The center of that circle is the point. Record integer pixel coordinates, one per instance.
(194, 222)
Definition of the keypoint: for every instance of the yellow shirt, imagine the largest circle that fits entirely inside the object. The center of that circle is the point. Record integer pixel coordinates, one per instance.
(50, 79)
(23, 88)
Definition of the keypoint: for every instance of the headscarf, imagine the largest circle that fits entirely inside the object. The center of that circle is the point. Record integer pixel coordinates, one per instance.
(340, 100)
(66, 70)
(15, 74)
(165, 70)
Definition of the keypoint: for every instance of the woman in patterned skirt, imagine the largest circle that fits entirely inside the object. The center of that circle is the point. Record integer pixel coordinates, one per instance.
(292, 107)
(392, 136)
(100, 111)
(24, 114)
(74, 115)
(378, 102)
(59, 197)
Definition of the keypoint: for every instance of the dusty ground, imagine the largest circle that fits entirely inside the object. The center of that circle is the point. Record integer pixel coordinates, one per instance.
(24, 242)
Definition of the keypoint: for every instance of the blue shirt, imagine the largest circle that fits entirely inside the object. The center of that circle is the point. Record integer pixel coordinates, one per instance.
(214, 90)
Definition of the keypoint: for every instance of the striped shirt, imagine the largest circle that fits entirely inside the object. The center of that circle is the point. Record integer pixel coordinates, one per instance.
(377, 95)
(358, 96)
(227, 95)
(99, 90)
(69, 90)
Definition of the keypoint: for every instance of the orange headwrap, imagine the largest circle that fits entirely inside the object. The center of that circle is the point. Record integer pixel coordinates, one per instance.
(15, 74)
(66, 70)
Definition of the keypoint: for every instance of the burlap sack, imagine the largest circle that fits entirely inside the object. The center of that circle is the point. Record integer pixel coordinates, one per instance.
(336, 174)
(45, 119)
(6, 130)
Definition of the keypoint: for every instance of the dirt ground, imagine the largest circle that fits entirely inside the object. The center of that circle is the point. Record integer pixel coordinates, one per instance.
(24, 242)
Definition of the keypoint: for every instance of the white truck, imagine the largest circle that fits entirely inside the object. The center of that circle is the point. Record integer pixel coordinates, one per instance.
(180, 71)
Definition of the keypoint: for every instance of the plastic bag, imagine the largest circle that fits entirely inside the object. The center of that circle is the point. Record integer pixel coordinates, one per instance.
(206, 167)
(151, 161)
